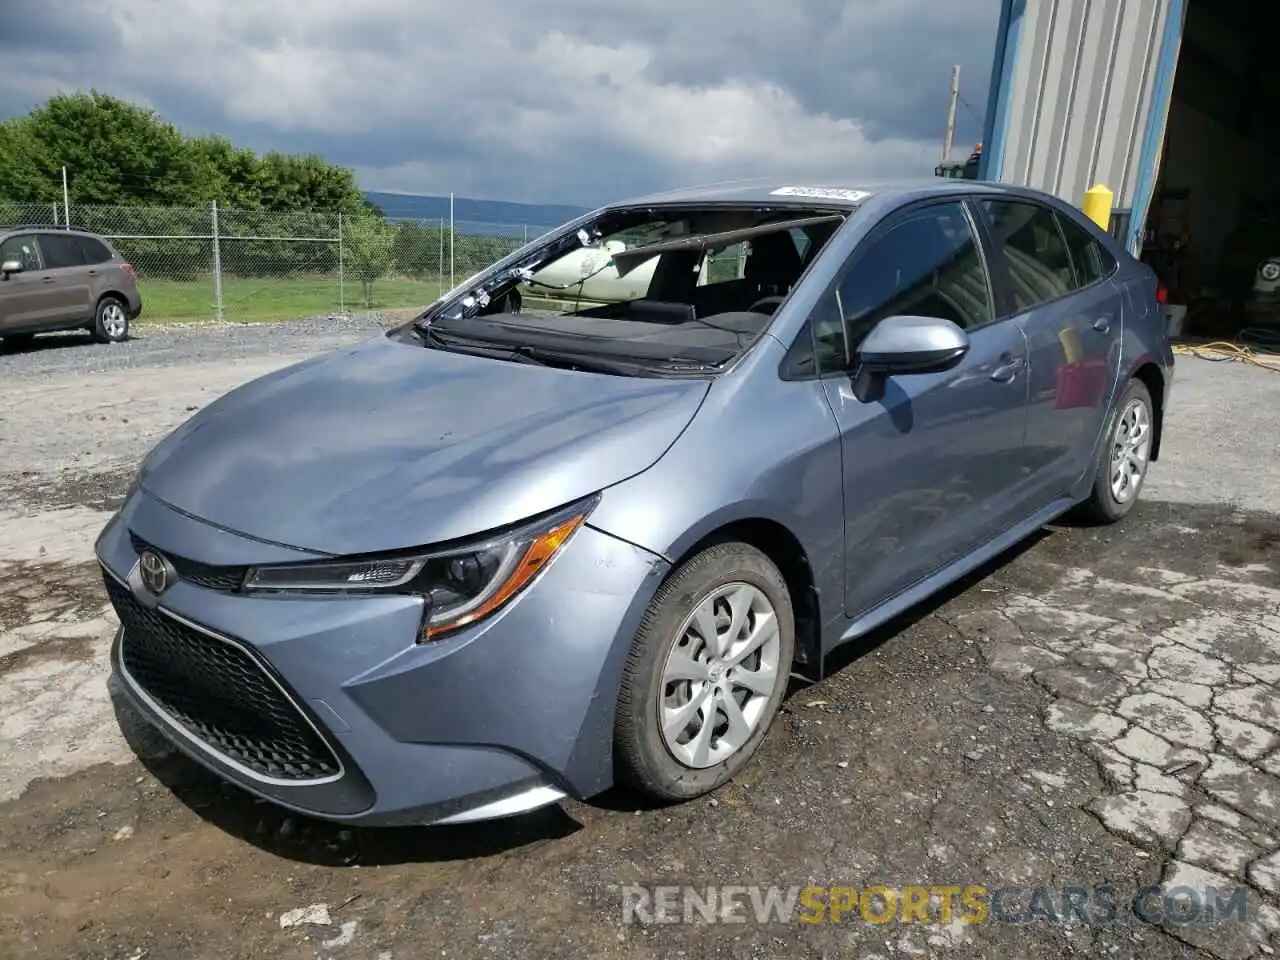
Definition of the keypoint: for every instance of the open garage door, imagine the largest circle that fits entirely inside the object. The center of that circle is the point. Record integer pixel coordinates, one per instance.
(1213, 229)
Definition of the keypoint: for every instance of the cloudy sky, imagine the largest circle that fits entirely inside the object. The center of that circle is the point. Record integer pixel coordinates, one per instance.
(581, 102)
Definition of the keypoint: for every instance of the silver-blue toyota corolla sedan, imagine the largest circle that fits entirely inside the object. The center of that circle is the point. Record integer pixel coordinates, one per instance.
(579, 522)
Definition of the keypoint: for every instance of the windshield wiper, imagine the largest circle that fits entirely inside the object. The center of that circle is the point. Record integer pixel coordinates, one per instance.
(575, 361)
(524, 353)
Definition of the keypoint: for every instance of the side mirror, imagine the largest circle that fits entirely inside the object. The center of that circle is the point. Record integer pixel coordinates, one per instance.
(10, 266)
(911, 345)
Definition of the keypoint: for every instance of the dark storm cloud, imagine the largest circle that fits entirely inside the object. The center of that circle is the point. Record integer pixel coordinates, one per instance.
(64, 27)
(565, 100)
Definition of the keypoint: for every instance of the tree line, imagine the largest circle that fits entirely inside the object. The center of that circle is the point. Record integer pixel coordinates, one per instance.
(121, 154)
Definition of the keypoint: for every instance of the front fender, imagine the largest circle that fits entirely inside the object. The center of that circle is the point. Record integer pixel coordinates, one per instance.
(764, 449)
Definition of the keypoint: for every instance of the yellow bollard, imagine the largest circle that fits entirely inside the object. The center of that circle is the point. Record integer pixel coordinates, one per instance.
(1098, 203)
(1072, 348)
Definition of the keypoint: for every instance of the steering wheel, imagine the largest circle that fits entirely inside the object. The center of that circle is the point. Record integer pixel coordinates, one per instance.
(766, 305)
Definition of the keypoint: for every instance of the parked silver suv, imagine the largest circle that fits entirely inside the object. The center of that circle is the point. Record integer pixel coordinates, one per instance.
(52, 278)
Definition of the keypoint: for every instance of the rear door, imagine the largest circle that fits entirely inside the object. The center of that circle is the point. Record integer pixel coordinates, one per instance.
(26, 301)
(66, 273)
(101, 268)
(931, 470)
(1072, 319)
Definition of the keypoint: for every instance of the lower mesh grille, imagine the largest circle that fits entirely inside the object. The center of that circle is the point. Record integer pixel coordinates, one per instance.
(219, 693)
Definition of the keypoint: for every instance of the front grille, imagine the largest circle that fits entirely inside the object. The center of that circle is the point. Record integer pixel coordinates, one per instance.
(225, 579)
(220, 694)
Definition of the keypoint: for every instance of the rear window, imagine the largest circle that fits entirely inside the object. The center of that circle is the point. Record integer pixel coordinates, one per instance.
(1040, 267)
(61, 250)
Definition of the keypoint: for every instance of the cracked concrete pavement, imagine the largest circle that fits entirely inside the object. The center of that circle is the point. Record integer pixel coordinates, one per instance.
(1100, 707)
(1175, 701)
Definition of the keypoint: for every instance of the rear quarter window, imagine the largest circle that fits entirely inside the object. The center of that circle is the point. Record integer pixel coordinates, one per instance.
(1092, 260)
(94, 251)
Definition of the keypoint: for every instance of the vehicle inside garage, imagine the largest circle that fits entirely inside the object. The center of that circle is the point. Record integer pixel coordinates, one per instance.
(1213, 227)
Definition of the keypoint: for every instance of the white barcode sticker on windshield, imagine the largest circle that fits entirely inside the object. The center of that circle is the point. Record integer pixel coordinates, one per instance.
(823, 193)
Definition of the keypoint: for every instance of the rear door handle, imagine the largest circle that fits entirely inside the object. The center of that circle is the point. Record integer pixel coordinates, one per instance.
(48, 279)
(1008, 369)
(1103, 324)
(93, 273)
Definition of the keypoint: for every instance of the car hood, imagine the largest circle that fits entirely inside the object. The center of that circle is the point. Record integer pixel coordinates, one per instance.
(390, 445)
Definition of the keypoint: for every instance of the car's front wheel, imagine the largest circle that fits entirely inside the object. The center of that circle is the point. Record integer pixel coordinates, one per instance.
(706, 673)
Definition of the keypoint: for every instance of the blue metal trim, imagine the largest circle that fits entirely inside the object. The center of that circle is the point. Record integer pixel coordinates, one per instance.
(996, 126)
(1157, 117)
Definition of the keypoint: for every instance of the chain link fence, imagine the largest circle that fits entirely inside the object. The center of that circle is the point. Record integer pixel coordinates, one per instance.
(201, 263)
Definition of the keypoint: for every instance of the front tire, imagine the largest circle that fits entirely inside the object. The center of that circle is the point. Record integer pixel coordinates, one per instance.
(707, 672)
(1124, 459)
(111, 321)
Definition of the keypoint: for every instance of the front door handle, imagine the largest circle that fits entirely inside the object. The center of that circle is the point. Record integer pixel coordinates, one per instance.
(1103, 324)
(1008, 369)
(48, 279)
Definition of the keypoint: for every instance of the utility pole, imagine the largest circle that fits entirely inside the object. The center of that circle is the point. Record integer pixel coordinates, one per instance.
(453, 282)
(951, 114)
(66, 201)
(215, 234)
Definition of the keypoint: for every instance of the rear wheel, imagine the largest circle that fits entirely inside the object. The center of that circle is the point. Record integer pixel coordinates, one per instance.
(707, 671)
(1124, 459)
(111, 321)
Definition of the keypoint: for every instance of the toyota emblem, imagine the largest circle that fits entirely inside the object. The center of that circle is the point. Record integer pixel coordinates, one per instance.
(155, 572)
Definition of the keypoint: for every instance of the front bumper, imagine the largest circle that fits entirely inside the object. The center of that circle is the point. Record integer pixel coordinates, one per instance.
(329, 707)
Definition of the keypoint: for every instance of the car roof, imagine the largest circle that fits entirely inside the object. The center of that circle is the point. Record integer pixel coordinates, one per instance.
(843, 194)
(47, 228)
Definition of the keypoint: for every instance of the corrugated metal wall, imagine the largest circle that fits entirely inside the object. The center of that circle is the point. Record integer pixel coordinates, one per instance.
(1075, 99)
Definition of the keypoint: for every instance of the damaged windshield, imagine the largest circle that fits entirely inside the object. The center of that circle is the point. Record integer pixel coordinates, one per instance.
(637, 290)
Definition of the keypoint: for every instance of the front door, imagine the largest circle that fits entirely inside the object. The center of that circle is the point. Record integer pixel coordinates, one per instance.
(931, 468)
(1072, 315)
(26, 300)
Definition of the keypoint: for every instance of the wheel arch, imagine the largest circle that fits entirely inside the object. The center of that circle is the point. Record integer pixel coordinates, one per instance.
(777, 541)
(112, 294)
(1149, 374)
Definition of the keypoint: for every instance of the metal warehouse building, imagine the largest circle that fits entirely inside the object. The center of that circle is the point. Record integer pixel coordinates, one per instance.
(1172, 104)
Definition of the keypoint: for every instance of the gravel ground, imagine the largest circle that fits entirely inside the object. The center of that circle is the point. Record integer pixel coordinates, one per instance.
(1097, 708)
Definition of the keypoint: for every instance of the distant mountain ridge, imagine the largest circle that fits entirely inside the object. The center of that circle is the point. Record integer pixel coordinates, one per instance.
(470, 213)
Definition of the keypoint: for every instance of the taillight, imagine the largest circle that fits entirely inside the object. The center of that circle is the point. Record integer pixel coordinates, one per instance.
(129, 272)
(1162, 295)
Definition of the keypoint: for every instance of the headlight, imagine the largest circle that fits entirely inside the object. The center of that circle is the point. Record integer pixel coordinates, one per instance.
(1270, 271)
(461, 585)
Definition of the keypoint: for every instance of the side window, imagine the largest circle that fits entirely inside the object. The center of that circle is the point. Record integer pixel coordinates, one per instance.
(1091, 259)
(93, 251)
(928, 264)
(828, 330)
(1039, 264)
(23, 249)
(60, 250)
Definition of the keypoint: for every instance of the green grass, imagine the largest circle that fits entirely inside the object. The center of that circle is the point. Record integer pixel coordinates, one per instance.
(259, 300)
